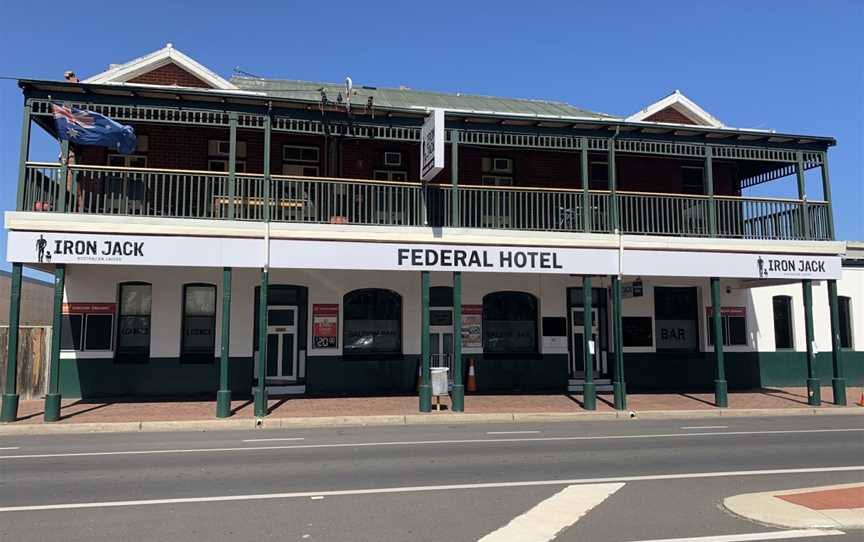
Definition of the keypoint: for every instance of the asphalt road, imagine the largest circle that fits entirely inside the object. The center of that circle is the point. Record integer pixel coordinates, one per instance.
(645, 480)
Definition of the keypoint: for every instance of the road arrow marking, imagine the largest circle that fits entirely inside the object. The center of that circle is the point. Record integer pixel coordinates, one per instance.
(543, 522)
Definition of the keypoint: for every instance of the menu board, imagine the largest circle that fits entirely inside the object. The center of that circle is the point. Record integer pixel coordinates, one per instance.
(472, 326)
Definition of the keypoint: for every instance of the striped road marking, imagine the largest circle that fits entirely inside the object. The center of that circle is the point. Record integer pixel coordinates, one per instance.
(418, 489)
(543, 522)
(779, 535)
(11, 448)
(706, 427)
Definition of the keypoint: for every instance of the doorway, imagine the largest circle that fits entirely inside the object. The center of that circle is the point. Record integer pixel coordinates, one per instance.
(282, 359)
(578, 331)
(441, 338)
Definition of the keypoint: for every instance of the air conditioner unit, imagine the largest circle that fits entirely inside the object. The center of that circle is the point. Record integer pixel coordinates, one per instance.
(497, 165)
(392, 158)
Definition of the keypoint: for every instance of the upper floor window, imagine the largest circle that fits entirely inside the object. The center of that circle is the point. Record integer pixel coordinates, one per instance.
(219, 152)
(692, 180)
(783, 337)
(199, 323)
(598, 175)
(510, 323)
(388, 175)
(127, 160)
(133, 322)
(297, 153)
(497, 171)
(844, 305)
(392, 159)
(372, 322)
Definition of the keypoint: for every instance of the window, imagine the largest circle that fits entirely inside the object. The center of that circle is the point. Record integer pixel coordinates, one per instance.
(372, 322)
(733, 322)
(223, 148)
(222, 165)
(598, 175)
(844, 304)
(692, 180)
(636, 331)
(783, 337)
(299, 170)
(199, 323)
(385, 175)
(71, 331)
(127, 160)
(509, 323)
(133, 323)
(392, 159)
(675, 316)
(295, 153)
(87, 326)
(496, 180)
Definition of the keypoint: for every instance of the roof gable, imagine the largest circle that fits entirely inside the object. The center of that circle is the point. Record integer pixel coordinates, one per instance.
(676, 109)
(135, 71)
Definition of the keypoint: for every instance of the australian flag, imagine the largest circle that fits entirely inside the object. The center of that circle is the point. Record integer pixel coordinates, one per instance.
(89, 128)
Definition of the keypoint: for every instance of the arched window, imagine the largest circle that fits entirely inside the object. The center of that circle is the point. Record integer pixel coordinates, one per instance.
(133, 322)
(509, 323)
(199, 323)
(372, 322)
(783, 337)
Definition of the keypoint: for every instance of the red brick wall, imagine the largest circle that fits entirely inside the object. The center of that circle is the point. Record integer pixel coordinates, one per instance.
(669, 114)
(177, 147)
(170, 75)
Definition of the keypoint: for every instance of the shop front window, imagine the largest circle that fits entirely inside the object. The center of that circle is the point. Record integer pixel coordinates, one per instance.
(783, 337)
(133, 323)
(372, 322)
(675, 318)
(509, 323)
(199, 323)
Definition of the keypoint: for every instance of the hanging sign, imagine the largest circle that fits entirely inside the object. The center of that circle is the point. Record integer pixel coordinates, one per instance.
(472, 326)
(325, 325)
(631, 289)
(432, 145)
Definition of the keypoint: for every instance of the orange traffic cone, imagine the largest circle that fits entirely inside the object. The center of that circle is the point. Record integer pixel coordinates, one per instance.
(861, 401)
(472, 378)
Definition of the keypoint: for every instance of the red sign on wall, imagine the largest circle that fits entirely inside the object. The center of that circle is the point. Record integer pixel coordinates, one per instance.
(325, 325)
(728, 311)
(89, 308)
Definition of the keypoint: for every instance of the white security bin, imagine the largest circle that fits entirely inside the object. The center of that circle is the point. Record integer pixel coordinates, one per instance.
(439, 380)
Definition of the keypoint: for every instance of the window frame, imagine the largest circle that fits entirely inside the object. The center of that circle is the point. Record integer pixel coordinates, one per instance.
(534, 351)
(239, 165)
(702, 182)
(389, 174)
(397, 353)
(725, 322)
(301, 160)
(593, 181)
(126, 159)
(844, 312)
(789, 319)
(120, 357)
(198, 358)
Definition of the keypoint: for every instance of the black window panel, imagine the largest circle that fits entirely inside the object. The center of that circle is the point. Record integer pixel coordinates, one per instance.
(597, 298)
(282, 296)
(783, 322)
(844, 304)
(133, 323)
(278, 317)
(598, 176)
(440, 318)
(98, 331)
(554, 326)
(692, 180)
(71, 328)
(441, 296)
(509, 323)
(676, 322)
(737, 330)
(636, 331)
(199, 323)
(372, 322)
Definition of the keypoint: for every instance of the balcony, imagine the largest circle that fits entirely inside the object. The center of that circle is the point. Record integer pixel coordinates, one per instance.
(102, 190)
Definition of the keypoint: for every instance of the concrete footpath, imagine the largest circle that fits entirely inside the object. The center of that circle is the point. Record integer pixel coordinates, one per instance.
(826, 507)
(90, 416)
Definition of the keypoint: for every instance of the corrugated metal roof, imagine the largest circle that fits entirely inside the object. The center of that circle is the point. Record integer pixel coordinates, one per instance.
(403, 98)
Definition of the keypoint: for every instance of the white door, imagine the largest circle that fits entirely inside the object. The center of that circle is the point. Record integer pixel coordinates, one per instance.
(577, 352)
(282, 362)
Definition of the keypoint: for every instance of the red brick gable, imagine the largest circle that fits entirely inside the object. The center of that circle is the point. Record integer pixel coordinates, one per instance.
(669, 114)
(170, 75)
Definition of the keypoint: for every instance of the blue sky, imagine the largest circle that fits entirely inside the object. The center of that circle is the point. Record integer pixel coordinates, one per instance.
(793, 66)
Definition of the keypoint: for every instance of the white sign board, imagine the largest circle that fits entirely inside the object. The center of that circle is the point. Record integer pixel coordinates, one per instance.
(432, 145)
(121, 249)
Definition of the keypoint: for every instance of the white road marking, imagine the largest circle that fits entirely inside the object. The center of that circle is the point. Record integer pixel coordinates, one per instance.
(272, 439)
(543, 522)
(11, 448)
(512, 432)
(778, 535)
(706, 427)
(317, 497)
(428, 442)
(417, 489)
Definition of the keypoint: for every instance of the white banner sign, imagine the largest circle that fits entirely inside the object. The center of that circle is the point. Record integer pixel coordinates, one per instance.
(432, 145)
(119, 249)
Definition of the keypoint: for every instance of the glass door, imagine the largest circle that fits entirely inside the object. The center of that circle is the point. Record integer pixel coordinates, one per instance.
(577, 352)
(441, 339)
(282, 343)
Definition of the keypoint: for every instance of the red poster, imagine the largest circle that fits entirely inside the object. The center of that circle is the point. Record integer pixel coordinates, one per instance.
(325, 325)
(89, 308)
(728, 311)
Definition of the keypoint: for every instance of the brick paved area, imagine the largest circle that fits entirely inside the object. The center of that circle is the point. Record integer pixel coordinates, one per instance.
(830, 499)
(118, 410)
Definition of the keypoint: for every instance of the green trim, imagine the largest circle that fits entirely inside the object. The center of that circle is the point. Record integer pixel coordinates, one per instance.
(9, 408)
(458, 386)
(425, 391)
(223, 404)
(60, 207)
(720, 385)
(455, 216)
(24, 154)
(232, 162)
(261, 395)
(52, 398)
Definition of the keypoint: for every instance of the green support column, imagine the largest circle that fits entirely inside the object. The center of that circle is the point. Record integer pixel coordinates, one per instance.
(826, 194)
(589, 393)
(223, 396)
(24, 155)
(708, 173)
(60, 206)
(425, 372)
(721, 398)
(814, 393)
(838, 382)
(52, 398)
(458, 386)
(232, 162)
(802, 195)
(586, 196)
(613, 185)
(455, 213)
(261, 390)
(619, 388)
(10, 391)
